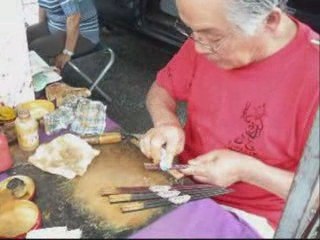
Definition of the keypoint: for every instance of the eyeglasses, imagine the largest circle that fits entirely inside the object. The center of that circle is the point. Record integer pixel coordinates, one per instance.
(213, 46)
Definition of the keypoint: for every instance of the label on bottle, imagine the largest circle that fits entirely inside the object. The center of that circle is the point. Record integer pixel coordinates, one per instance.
(28, 139)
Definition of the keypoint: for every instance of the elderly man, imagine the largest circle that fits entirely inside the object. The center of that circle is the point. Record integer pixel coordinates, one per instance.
(250, 75)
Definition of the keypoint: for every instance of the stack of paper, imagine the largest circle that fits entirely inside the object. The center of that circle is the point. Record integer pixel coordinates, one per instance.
(54, 233)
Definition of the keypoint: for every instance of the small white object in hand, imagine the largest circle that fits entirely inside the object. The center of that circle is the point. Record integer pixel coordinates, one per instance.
(54, 232)
(168, 194)
(180, 199)
(165, 161)
(159, 188)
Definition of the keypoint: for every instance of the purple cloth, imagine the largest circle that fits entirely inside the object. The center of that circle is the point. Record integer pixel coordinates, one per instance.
(44, 138)
(3, 176)
(198, 219)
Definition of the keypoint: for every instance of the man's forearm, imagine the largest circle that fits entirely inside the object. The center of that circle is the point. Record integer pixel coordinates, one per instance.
(273, 179)
(42, 15)
(161, 106)
(72, 32)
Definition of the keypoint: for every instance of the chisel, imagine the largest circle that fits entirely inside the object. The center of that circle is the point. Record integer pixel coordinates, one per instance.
(106, 138)
(110, 138)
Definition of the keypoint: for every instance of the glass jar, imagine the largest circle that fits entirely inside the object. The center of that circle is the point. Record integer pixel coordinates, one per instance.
(27, 131)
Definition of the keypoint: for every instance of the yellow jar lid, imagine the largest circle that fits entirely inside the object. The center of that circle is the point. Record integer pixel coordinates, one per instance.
(38, 108)
(7, 113)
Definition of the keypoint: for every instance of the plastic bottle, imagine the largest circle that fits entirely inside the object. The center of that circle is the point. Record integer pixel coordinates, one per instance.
(27, 131)
(5, 156)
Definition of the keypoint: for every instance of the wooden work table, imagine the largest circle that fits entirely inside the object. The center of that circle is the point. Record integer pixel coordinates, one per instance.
(77, 204)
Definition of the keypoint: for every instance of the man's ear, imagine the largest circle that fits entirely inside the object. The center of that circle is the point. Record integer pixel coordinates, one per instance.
(273, 20)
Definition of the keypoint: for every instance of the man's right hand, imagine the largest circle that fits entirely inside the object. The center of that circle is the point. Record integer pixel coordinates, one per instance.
(170, 135)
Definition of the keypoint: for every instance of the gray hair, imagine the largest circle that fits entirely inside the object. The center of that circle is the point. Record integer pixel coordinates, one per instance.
(248, 15)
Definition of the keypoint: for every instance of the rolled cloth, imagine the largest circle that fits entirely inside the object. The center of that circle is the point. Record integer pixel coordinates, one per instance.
(44, 138)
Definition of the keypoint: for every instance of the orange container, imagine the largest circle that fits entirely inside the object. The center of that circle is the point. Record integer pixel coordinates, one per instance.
(17, 218)
(29, 183)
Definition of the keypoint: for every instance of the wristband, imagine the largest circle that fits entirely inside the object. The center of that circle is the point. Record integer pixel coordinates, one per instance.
(67, 52)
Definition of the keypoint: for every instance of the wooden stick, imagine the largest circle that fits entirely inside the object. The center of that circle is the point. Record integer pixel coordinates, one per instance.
(137, 206)
(118, 198)
(151, 196)
(177, 175)
(144, 189)
(156, 167)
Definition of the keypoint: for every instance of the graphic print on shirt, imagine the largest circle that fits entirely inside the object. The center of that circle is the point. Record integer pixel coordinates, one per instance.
(253, 117)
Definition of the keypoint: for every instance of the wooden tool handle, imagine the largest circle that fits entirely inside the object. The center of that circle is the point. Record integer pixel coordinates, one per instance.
(120, 198)
(107, 138)
(112, 137)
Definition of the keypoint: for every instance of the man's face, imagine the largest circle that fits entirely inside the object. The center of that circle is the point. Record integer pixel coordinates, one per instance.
(215, 37)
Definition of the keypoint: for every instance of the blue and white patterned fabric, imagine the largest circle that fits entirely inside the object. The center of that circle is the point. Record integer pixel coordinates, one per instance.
(58, 11)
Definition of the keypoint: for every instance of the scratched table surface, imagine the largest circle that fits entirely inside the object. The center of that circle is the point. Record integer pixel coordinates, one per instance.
(77, 204)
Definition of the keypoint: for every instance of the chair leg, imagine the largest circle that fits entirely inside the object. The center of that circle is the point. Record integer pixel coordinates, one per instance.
(100, 77)
(105, 70)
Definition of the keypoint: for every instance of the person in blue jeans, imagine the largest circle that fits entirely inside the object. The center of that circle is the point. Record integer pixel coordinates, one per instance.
(65, 28)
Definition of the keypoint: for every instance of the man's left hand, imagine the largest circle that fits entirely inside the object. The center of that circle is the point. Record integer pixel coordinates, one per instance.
(61, 60)
(220, 167)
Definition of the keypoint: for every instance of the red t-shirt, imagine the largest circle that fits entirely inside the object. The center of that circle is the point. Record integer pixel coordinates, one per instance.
(265, 110)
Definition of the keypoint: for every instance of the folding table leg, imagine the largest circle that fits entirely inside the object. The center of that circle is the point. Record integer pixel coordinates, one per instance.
(100, 77)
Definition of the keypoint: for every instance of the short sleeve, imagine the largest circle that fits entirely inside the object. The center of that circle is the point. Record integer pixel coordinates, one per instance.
(70, 7)
(176, 77)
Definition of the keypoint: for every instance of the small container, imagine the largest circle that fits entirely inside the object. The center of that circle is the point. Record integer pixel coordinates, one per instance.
(5, 156)
(27, 131)
(17, 218)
